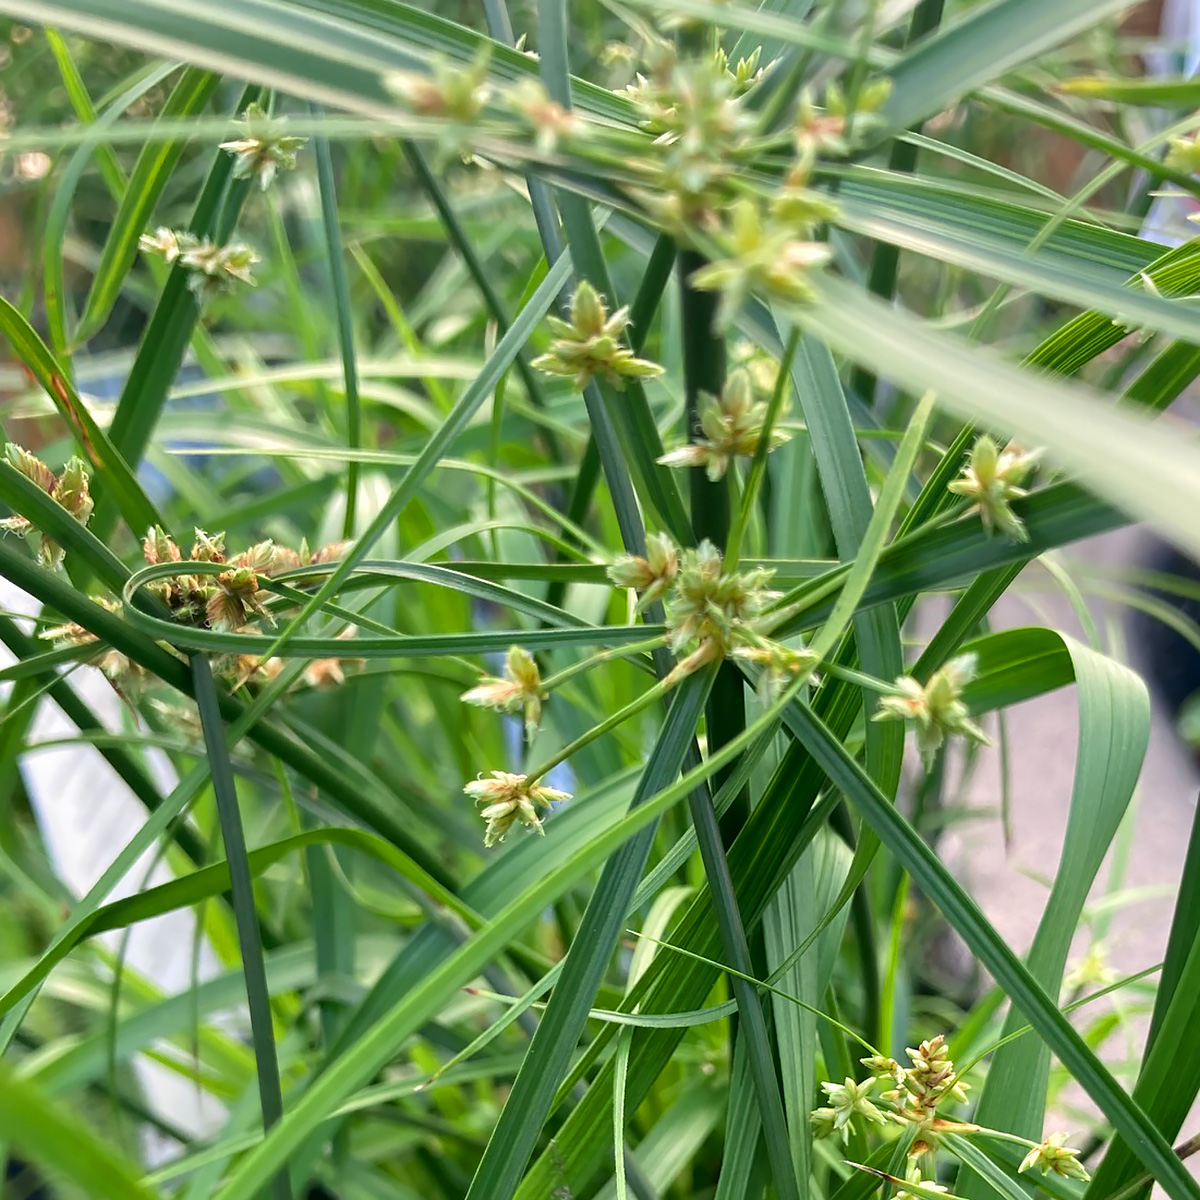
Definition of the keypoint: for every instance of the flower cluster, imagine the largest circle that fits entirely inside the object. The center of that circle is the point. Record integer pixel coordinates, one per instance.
(992, 479)
(695, 178)
(732, 427)
(936, 709)
(451, 92)
(1055, 1157)
(590, 344)
(226, 601)
(651, 574)
(126, 676)
(545, 119)
(931, 1080)
(701, 131)
(837, 127)
(762, 367)
(711, 612)
(518, 690)
(780, 664)
(916, 1097)
(746, 73)
(212, 269)
(69, 489)
(762, 252)
(230, 598)
(263, 149)
(846, 1100)
(509, 798)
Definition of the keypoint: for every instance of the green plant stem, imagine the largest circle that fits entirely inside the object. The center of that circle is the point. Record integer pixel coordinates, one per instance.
(765, 985)
(605, 656)
(242, 887)
(641, 315)
(1000, 1135)
(611, 722)
(479, 275)
(704, 372)
(860, 678)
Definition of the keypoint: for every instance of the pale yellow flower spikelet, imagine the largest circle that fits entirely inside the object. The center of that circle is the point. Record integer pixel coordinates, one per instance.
(846, 1100)
(518, 690)
(935, 709)
(1055, 1157)
(652, 574)
(590, 344)
(263, 149)
(69, 489)
(712, 610)
(763, 254)
(732, 426)
(992, 479)
(509, 798)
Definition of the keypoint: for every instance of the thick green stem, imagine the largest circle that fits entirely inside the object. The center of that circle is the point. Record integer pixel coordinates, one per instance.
(241, 884)
(704, 371)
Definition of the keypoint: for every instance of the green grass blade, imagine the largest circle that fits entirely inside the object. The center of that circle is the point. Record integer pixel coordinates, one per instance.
(61, 1143)
(848, 501)
(902, 159)
(1168, 1081)
(666, 1151)
(81, 102)
(1075, 282)
(54, 234)
(458, 238)
(215, 880)
(124, 763)
(421, 1001)
(624, 421)
(981, 47)
(151, 173)
(1114, 729)
(982, 1171)
(884, 765)
(173, 322)
(1143, 469)
(743, 1131)
(112, 470)
(23, 496)
(374, 808)
(752, 1021)
(266, 1057)
(1159, 93)
(327, 188)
